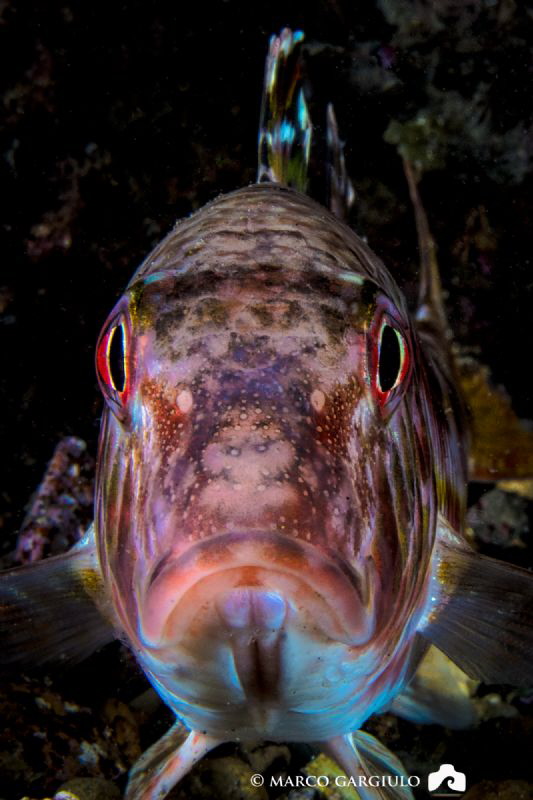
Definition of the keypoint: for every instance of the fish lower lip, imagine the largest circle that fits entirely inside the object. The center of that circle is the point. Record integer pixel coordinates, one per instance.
(253, 581)
(252, 608)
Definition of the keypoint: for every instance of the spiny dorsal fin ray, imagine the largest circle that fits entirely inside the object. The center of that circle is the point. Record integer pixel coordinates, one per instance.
(285, 127)
(502, 446)
(285, 130)
(341, 194)
(430, 313)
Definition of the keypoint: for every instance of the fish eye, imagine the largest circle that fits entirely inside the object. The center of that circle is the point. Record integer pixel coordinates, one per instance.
(388, 357)
(115, 358)
(112, 362)
(391, 358)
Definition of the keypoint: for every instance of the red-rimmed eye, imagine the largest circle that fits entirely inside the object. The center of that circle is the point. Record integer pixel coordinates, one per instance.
(112, 361)
(390, 360)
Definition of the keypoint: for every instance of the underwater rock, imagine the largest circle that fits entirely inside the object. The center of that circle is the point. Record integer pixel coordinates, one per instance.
(500, 790)
(88, 789)
(226, 778)
(62, 507)
(48, 738)
(499, 518)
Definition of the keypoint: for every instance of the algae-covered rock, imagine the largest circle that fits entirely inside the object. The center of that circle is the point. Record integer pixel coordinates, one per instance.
(323, 767)
(88, 789)
(226, 778)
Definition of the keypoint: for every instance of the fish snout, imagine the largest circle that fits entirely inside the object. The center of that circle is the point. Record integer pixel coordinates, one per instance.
(255, 583)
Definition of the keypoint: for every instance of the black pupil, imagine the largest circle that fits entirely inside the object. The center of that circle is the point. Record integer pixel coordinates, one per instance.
(390, 359)
(116, 358)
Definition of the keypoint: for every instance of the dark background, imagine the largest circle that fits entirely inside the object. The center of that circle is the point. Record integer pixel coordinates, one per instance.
(119, 118)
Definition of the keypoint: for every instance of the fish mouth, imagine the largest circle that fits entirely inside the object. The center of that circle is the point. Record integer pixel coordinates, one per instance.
(255, 584)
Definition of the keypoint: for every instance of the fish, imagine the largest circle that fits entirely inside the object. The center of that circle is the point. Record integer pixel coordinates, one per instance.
(279, 531)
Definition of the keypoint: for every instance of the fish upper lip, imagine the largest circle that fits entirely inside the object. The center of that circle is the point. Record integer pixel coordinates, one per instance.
(334, 588)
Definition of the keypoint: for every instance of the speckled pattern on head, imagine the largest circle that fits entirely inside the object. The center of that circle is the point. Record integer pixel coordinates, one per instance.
(253, 455)
(264, 224)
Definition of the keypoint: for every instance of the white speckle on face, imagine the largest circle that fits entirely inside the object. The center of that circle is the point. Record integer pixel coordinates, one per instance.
(318, 399)
(184, 400)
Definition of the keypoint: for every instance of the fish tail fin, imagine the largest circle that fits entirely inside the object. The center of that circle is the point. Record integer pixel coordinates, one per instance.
(285, 129)
(482, 613)
(48, 612)
(440, 693)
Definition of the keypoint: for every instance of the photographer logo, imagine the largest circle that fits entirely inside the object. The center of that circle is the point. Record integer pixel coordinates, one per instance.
(446, 781)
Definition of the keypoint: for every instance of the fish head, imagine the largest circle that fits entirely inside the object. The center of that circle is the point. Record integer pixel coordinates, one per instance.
(265, 486)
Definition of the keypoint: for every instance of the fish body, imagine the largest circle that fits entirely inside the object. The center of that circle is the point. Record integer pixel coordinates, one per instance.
(265, 512)
(281, 486)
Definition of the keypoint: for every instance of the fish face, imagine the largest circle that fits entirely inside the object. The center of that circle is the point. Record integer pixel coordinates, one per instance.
(265, 503)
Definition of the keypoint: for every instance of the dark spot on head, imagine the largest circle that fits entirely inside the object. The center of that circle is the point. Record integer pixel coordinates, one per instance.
(369, 292)
(196, 347)
(334, 321)
(167, 321)
(262, 314)
(270, 267)
(293, 314)
(252, 351)
(192, 284)
(325, 285)
(212, 310)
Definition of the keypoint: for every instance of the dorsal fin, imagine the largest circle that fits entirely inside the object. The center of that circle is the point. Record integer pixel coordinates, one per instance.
(430, 314)
(502, 446)
(285, 127)
(430, 317)
(341, 194)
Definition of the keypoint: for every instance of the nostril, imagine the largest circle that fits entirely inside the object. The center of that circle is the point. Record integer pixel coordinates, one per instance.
(252, 608)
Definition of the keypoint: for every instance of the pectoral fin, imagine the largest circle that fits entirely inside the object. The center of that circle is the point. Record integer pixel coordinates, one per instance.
(48, 610)
(440, 693)
(377, 773)
(480, 612)
(166, 762)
